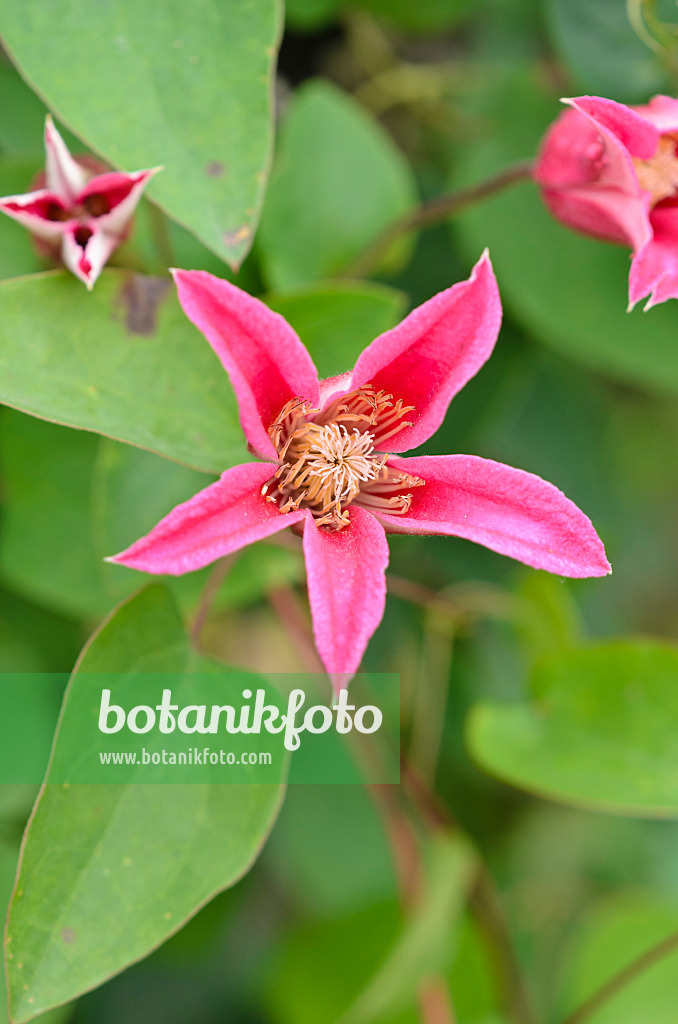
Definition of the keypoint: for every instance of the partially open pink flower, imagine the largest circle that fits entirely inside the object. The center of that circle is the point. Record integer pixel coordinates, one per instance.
(611, 171)
(327, 471)
(79, 216)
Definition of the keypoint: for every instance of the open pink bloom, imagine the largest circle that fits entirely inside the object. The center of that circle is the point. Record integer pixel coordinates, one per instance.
(79, 216)
(326, 470)
(612, 172)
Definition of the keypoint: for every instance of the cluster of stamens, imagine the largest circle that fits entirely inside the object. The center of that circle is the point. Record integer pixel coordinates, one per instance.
(327, 458)
(659, 174)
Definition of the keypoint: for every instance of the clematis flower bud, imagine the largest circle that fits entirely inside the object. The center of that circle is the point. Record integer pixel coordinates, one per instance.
(611, 171)
(79, 216)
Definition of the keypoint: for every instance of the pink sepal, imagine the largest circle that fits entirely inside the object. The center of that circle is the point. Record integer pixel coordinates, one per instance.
(87, 261)
(662, 112)
(64, 175)
(434, 351)
(347, 589)
(654, 268)
(636, 134)
(31, 209)
(266, 361)
(587, 174)
(122, 193)
(508, 510)
(220, 519)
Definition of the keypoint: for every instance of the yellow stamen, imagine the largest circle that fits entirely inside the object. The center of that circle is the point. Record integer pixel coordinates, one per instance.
(659, 174)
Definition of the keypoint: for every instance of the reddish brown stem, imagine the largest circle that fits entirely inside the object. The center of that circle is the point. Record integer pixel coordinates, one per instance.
(433, 212)
(622, 979)
(436, 1003)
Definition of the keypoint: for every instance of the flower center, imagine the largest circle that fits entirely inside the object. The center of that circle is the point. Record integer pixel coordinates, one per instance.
(659, 174)
(327, 458)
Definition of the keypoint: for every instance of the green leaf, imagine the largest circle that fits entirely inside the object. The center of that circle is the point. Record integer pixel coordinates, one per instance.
(616, 932)
(109, 872)
(70, 500)
(144, 85)
(599, 731)
(427, 943)
(338, 181)
(603, 53)
(432, 16)
(337, 320)
(569, 291)
(8, 861)
(123, 361)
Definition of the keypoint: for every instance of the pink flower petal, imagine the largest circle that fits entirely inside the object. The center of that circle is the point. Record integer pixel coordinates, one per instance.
(85, 251)
(604, 213)
(654, 268)
(662, 112)
(220, 519)
(588, 178)
(571, 152)
(36, 211)
(347, 590)
(266, 361)
(64, 175)
(117, 195)
(432, 354)
(508, 510)
(636, 134)
(587, 175)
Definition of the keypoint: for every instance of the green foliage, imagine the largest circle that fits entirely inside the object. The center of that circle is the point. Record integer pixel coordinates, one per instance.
(389, 100)
(427, 943)
(86, 360)
(600, 49)
(598, 732)
(154, 88)
(108, 872)
(336, 320)
(614, 933)
(321, 213)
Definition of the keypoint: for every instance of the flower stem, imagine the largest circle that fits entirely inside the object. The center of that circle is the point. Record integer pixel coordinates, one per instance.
(436, 1003)
(628, 974)
(216, 578)
(485, 906)
(433, 212)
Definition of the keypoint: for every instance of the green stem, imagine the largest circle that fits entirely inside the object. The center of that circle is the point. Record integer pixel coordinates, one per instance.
(433, 212)
(628, 974)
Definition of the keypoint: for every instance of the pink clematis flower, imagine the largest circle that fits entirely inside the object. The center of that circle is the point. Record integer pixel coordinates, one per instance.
(326, 471)
(611, 171)
(80, 216)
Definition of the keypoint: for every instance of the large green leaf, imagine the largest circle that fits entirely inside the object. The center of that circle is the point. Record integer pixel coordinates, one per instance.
(144, 84)
(338, 181)
(123, 361)
(617, 931)
(107, 873)
(599, 731)
(8, 861)
(569, 291)
(70, 500)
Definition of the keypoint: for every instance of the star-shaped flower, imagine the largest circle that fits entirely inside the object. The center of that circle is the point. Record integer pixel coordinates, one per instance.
(327, 466)
(611, 171)
(80, 216)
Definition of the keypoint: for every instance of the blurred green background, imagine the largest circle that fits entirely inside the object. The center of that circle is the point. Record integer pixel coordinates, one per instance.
(379, 102)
